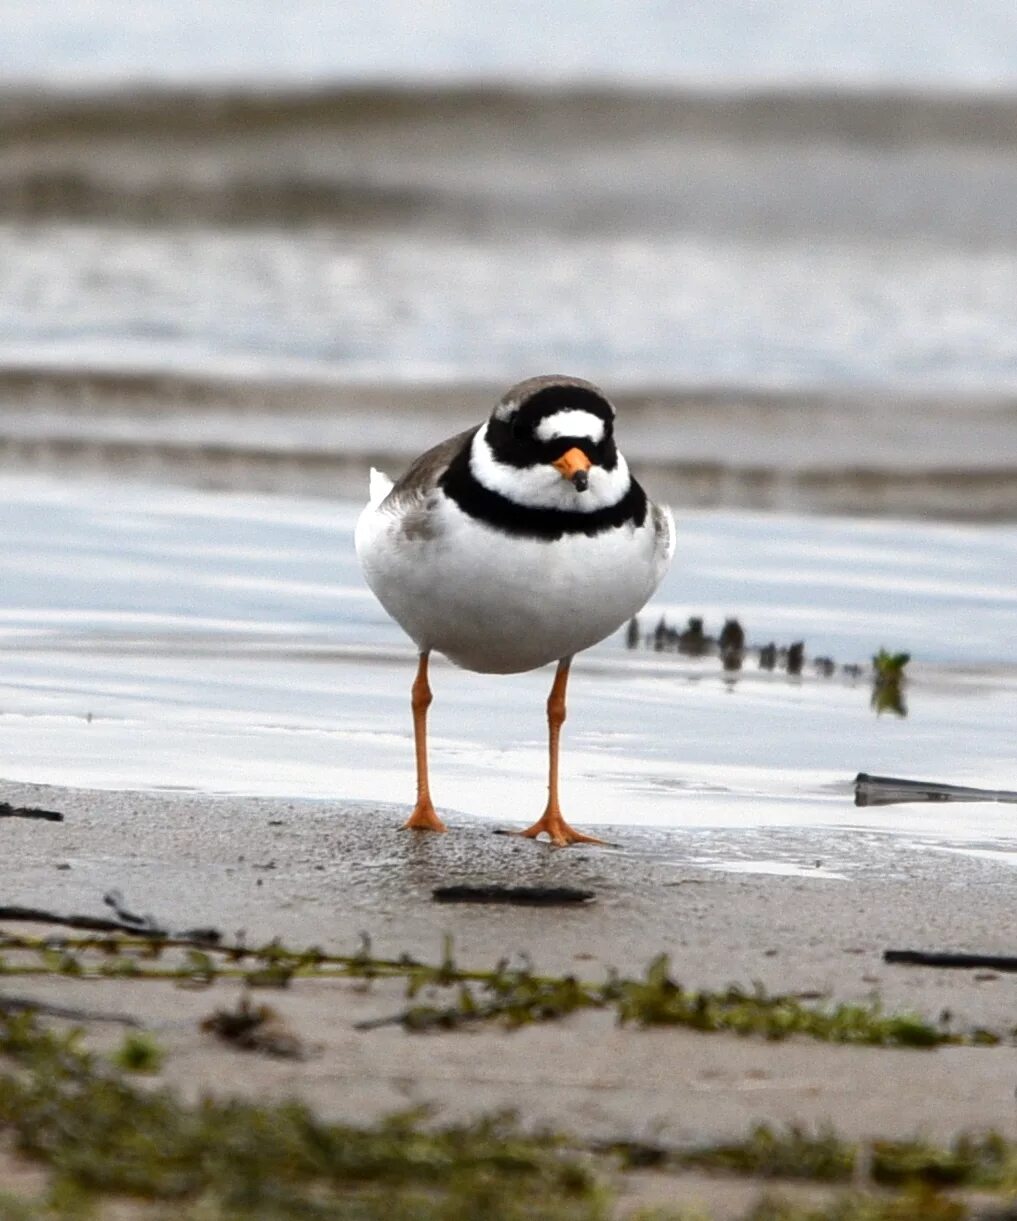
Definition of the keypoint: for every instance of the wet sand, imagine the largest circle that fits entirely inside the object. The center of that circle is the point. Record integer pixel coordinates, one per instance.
(326, 872)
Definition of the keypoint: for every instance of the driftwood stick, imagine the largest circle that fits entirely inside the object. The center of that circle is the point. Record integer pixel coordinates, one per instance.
(26, 1004)
(933, 958)
(888, 790)
(101, 924)
(95, 924)
(9, 811)
(522, 896)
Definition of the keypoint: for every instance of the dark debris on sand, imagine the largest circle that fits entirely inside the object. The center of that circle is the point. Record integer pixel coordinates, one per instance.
(524, 896)
(9, 811)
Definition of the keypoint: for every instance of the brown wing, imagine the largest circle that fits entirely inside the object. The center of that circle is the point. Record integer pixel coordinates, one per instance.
(412, 499)
(423, 475)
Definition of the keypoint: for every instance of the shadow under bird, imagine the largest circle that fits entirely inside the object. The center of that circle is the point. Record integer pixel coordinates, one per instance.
(512, 545)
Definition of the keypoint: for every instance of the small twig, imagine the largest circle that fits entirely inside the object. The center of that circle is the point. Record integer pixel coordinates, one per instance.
(97, 924)
(145, 925)
(115, 900)
(25, 1004)
(101, 924)
(935, 958)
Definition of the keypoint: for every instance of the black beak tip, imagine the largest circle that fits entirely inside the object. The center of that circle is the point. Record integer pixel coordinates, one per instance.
(581, 481)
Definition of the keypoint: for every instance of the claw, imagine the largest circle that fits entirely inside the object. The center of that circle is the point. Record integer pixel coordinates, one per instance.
(558, 831)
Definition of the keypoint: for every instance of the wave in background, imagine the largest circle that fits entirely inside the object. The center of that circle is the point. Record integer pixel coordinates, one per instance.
(769, 164)
(803, 295)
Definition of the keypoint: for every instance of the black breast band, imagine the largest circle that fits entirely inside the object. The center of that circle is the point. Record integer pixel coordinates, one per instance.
(524, 521)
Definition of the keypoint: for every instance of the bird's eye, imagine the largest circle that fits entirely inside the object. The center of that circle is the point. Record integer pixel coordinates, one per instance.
(519, 431)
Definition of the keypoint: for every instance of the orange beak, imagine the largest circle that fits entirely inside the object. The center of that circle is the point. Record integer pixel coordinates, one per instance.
(573, 462)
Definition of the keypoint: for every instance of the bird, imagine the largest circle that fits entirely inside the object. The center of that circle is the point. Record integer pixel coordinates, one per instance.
(517, 543)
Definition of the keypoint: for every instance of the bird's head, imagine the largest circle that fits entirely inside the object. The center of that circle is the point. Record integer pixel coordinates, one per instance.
(556, 434)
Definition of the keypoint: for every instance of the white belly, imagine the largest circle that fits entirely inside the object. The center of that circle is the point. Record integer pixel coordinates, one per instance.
(499, 604)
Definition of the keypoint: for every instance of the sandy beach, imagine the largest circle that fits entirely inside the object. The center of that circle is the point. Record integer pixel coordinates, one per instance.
(324, 873)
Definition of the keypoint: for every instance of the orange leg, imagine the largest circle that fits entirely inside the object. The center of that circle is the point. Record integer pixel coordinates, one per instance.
(424, 816)
(551, 821)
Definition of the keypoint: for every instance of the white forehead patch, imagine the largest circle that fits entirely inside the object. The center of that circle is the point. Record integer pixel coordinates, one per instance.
(571, 424)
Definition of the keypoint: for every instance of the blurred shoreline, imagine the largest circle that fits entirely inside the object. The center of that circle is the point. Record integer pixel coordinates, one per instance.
(801, 298)
(841, 112)
(757, 163)
(742, 447)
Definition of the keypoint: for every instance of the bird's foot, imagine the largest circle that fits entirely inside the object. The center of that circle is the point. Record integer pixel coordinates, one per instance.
(552, 824)
(424, 818)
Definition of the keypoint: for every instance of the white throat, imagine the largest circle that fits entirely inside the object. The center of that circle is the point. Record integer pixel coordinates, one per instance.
(541, 486)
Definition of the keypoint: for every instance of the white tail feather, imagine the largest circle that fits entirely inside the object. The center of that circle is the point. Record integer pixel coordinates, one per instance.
(380, 487)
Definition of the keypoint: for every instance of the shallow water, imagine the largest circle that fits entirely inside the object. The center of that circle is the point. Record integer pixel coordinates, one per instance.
(660, 309)
(774, 207)
(786, 227)
(161, 638)
(813, 294)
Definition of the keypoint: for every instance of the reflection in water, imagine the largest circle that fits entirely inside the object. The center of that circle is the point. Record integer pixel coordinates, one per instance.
(731, 647)
(731, 643)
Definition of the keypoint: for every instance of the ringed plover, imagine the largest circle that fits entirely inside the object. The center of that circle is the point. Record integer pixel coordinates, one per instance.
(517, 543)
